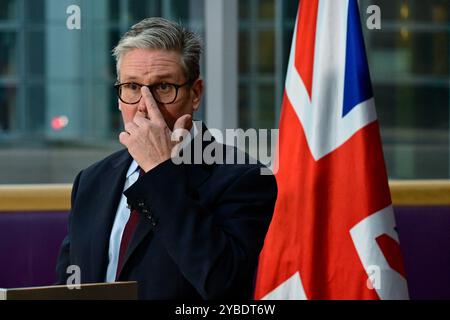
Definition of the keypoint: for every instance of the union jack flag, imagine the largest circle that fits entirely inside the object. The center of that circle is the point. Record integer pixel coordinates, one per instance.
(333, 232)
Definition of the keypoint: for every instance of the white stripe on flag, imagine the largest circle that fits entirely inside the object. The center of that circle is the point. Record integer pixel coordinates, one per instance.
(291, 289)
(390, 284)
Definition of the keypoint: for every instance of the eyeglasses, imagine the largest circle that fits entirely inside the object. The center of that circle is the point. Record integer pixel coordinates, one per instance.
(166, 93)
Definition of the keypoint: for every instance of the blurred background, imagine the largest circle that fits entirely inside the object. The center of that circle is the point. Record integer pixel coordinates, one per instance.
(58, 107)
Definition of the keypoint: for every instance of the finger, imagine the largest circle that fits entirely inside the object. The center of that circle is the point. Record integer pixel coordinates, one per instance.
(131, 127)
(180, 128)
(140, 120)
(152, 106)
(124, 138)
(183, 122)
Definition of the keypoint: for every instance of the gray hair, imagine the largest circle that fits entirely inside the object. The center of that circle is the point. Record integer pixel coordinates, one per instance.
(159, 33)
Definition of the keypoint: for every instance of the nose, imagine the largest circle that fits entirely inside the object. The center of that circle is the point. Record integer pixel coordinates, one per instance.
(141, 106)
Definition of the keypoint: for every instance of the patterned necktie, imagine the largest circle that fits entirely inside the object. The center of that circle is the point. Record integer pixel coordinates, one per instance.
(127, 234)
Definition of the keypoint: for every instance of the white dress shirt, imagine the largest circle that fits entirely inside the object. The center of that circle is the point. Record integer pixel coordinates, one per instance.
(123, 214)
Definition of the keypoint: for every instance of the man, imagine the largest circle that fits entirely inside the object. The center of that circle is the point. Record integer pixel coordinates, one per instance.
(182, 231)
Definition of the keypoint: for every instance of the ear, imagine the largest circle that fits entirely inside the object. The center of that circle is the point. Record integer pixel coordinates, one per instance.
(196, 93)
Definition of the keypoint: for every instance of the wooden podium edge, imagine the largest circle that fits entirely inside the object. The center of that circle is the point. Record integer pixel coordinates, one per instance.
(88, 291)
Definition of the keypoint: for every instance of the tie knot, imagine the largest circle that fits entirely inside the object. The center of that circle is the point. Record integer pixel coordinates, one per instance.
(141, 172)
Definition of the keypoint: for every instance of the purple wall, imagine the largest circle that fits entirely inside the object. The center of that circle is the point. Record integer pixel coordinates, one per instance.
(29, 244)
(424, 234)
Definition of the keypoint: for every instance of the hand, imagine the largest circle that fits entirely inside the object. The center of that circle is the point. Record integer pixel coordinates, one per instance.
(149, 141)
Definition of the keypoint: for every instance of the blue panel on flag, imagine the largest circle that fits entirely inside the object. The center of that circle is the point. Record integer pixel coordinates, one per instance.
(357, 86)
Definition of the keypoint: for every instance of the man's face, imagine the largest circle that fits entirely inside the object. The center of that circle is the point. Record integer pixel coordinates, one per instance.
(150, 66)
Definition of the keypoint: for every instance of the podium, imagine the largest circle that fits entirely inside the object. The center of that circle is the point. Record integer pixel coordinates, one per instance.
(89, 291)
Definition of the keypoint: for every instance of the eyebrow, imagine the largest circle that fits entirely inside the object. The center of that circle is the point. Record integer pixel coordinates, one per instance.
(131, 78)
(163, 77)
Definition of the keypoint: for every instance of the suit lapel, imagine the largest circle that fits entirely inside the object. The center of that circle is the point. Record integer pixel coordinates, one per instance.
(110, 192)
(198, 174)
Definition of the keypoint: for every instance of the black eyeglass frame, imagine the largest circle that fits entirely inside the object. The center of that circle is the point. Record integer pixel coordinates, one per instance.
(150, 87)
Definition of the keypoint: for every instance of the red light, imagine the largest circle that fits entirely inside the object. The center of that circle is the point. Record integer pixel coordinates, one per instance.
(58, 123)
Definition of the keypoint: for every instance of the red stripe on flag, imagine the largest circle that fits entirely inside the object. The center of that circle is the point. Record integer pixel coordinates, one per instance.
(392, 253)
(306, 39)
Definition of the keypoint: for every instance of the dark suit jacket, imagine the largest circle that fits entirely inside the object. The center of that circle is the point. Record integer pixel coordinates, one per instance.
(200, 231)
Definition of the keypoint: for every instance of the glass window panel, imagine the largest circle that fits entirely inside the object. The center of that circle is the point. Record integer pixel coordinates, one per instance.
(287, 41)
(410, 71)
(35, 11)
(196, 14)
(290, 9)
(266, 110)
(404, 52)
(8, 54)
(9, 9)
(435, 11)
(408, 159)
(35, 58)
(430, 53)
(35, 96)
(181, 9)
(244, 107)
(266, 51)
(390, 10)
(414, 124)
(8, 107)
(141, 9)
(113, 10)
(114, 37)
(407, 106)
(116, 123)
(244, 51)
(244, 9)
(102, 106)
(258, 114)
(266, 9)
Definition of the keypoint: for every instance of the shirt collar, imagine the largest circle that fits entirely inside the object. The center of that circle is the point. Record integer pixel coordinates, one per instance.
(193, 132)
(132, 169)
